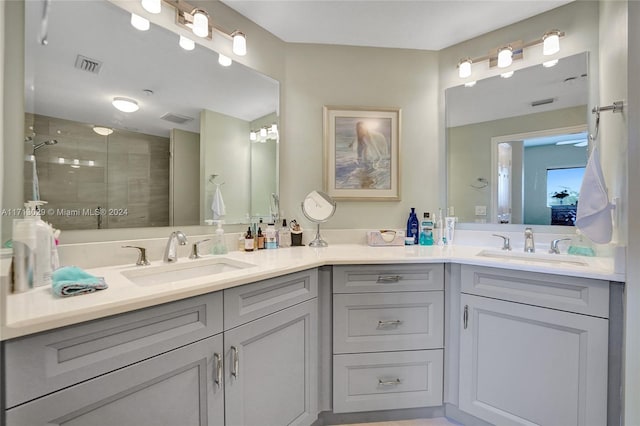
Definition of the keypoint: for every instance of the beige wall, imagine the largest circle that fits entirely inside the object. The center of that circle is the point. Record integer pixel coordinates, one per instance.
(632, 290)
(613, 87)
(318, 75)
(13, 111)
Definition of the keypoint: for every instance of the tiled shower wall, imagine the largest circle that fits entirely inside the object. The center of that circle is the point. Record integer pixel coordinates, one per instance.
(125, 174)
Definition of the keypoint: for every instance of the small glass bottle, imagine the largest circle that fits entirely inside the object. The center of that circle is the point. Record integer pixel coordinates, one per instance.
(248, 240)
(260, 239)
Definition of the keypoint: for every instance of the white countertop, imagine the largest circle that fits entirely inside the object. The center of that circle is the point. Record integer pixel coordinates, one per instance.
(39, 310)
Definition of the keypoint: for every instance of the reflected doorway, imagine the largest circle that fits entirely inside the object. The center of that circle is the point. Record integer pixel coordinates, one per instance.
(520, 166)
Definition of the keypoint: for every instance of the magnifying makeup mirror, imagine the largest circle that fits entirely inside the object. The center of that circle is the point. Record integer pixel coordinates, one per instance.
(318, 207)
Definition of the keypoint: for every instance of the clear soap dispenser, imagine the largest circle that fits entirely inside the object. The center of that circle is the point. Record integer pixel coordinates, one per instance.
(219, 246)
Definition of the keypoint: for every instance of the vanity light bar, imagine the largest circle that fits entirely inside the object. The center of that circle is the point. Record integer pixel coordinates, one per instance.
(200, 23)
(500, 57)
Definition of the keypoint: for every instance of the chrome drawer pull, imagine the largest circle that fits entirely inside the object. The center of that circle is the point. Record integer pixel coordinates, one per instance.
(383, 279)
(395, 382)
(393, 323)
(236, 362)
(465, 316)
(217, 361)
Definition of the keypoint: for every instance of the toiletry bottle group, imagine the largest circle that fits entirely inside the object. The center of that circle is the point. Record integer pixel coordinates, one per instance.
(34, 250)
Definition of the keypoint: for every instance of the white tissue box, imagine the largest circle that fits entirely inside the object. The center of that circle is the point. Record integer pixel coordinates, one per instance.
(385, 238)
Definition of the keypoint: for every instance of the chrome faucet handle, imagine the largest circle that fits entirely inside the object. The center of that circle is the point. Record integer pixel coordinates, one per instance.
(142, 255)
(554, 245)
(195, 249)
(529, 245)
(506, 241)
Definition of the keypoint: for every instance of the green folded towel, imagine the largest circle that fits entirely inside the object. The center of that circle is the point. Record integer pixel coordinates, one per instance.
(73, 281)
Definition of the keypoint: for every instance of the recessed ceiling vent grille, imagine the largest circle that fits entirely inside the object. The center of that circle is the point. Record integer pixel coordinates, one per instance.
(87, 64)
(176, 118)
(542, 102)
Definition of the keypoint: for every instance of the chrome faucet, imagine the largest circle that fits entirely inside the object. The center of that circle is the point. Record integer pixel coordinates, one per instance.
(529, 245)
(171, 251)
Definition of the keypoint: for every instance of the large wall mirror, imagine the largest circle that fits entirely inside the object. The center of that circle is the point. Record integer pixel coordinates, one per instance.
(99, 167)
(517, 145)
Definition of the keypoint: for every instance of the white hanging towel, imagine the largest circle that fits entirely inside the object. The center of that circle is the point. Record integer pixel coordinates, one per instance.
(217, 205)
(594, 210)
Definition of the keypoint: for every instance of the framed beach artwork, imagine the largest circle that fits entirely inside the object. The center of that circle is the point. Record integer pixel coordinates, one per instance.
(362, 153)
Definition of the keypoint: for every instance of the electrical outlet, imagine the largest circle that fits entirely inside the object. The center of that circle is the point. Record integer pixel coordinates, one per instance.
(481, 210)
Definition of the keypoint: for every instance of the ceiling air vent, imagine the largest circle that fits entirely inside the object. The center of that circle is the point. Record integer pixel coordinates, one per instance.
(87, 64)
(542, 102)
(176, 118)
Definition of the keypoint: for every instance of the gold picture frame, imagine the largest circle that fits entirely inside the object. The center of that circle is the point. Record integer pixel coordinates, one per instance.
(361, 153)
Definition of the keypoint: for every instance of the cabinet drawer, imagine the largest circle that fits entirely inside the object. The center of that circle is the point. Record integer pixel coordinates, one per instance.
(572, 294)
(389, 380)
(388, 278)
(43, 363)
(249, 302)
(372, 322)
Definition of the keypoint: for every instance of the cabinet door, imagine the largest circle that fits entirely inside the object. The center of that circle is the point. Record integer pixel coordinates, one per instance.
(524, 365)
(176, 388)
(271, 369)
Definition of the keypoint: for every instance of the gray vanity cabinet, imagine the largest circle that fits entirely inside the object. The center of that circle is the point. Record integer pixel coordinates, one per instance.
(271, 365)
(533, 348)
(176, 388)
(271, 369)
(176, 364)
(388, 327)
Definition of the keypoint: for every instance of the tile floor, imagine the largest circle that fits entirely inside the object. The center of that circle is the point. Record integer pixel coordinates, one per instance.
(439, 421)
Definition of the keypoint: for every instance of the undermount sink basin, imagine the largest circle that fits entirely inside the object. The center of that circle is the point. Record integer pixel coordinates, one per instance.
(549, 259)
(183, 270)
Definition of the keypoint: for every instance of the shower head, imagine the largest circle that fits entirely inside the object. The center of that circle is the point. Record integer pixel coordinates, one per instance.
(41, 144)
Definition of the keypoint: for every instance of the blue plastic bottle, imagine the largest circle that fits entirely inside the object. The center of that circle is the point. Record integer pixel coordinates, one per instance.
(413, 225)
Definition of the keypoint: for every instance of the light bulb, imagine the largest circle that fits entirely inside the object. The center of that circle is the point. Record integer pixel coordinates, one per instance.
(464, 68)
(505, 57)
(91, 163)
(507, 74)
(550, 63)
(152, 6)
(263, 132)
(551, 42)
(186, 43)
(200, 23)
(225, 61)
(60, 160)
(125, 104)
(139, 23)
(274, 128)
(253, 136)
(239, 43)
